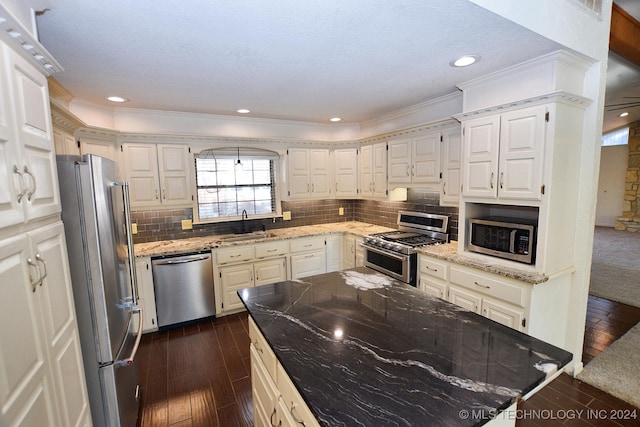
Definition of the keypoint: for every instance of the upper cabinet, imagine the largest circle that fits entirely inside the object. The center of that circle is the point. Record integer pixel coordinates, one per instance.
(415, 160)
(373, 171)
(27, 156)
(345, 173)
(503, 155)
(158, 175)
(308, 173)
(450, 166)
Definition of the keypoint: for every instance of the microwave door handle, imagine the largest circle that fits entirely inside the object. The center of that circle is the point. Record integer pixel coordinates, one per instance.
(512, 242)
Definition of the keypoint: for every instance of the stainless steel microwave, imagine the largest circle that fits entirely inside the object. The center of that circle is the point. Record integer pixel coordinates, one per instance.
(509, 238)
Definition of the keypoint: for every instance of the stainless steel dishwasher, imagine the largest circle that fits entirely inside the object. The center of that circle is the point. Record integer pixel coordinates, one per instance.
(183, 287)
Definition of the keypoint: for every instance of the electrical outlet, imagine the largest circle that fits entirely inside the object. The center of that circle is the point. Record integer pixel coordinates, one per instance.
(340, 211)
(286, 216)
(187, 224)
(134, 228)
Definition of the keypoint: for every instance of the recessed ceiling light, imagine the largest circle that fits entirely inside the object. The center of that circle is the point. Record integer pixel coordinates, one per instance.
(625, 114)
(117, 99)
(464, 61)
(335, 119)
(243, 111)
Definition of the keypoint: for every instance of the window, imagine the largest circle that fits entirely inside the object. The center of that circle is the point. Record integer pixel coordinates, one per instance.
(229, 183)
(618, 137)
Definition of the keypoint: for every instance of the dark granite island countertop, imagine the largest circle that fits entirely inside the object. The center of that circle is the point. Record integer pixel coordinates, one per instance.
(366, 350)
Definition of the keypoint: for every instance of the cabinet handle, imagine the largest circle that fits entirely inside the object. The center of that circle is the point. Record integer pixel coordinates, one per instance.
(155, 193)
(429, 268)
(23, 190)
(309, 256)
(444, 188)
(313, 187)
(271, 417)
(491, 180)
(482, 286)
(408, 168)
(33, 179)
(412, 168)
(308, 188)
(336, 187)
(34, 284)
(271, 250)
(295, 418)
(44, 266)
(255, 345)
(164, 194)
(501, 179)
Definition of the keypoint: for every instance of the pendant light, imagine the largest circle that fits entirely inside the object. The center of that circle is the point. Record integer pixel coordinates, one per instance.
(238, 164)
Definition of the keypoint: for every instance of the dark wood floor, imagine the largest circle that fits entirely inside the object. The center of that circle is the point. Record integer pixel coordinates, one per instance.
(199, 375)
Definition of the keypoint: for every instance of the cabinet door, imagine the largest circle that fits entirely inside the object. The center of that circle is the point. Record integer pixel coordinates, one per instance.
(349, 251)
(359, 252)
(232, 279)
(366, 170)
(298, 176)
(174, 165)
(308, 264)
(432, 287)
(141, 170)
(271, 271)
(346, 173)
(334, 253)
(425, 166)
(480, 157)
(34, 133)
(264, 391)
(26, 389)
(399, 160)
(503, 314)
(465, 299)
(522, 135)
(60, 326)
(379, 170)
(319, 173)
(146, 294)
(450, 190)
(100, 148)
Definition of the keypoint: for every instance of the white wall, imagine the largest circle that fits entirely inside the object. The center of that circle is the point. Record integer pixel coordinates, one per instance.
(613, 169)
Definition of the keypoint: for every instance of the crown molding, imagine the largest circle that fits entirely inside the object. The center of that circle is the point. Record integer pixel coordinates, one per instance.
(412, 131)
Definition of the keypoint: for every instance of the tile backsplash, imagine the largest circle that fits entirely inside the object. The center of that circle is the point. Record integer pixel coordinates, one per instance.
(165, 224)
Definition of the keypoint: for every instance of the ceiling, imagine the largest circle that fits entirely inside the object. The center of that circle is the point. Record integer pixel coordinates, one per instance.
(284, 59)
(292, 60)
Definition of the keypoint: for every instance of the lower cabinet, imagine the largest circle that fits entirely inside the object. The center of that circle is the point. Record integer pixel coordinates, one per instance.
(308, 256)
(146, 294)
(246, 266)
(42, 380)
(334, 248)
(349, 251)
(276, 400)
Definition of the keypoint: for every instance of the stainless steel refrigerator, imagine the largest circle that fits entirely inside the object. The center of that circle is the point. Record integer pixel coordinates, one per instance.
(97, 222)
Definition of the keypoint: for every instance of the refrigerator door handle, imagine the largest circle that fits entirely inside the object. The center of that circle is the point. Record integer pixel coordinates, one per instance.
(131, 254)
(129, 360)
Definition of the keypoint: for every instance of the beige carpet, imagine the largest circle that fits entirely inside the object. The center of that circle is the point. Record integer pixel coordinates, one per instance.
(615, 268)
(615, 370)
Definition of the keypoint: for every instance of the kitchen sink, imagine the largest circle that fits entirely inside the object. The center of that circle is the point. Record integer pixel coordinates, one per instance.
(247, 236)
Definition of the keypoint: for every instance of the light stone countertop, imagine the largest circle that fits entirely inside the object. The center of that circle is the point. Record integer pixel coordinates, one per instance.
(193, 244)
(447, 252)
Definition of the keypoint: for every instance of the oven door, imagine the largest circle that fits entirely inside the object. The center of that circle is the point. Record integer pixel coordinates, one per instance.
(394, 264)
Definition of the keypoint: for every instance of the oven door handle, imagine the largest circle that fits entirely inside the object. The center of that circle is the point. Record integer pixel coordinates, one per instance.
(390, 254)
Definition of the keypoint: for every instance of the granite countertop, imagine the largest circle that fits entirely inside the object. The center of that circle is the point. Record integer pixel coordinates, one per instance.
(170, 247)
(449, 252)
(365, 349)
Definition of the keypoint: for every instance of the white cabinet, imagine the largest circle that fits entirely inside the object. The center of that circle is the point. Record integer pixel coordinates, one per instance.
(41, 368)
(345, 173)
(276, 400)
(308, 173)
(503, 155)
(158, 175)
(433, 276)
(450, 164)
(146, 294)
(349, 251)
(334, 247)
(246, 266)
(373, 171)
(64, 142)
(27, 157)
(359, 251)
(415, 160)
(308, 257)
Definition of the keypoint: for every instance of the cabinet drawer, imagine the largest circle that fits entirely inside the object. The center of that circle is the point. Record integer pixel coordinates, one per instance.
(238, 254)
(488, 285)
(263, 350)
(293, 402)
(265, 391)
(433, 268)
(271, 249)
(303, 245)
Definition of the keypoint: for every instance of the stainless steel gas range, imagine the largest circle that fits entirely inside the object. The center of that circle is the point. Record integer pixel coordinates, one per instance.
(394, 252)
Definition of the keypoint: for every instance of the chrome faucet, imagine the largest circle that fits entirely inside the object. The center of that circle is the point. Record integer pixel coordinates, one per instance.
(244, 216)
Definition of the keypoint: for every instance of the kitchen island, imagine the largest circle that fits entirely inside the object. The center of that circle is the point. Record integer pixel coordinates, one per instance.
(364, 349)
